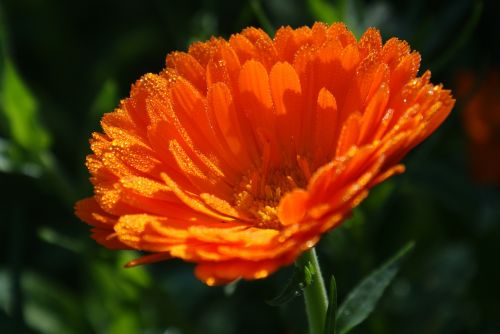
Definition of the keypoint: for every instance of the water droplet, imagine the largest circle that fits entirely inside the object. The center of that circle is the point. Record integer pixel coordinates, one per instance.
(310, 244)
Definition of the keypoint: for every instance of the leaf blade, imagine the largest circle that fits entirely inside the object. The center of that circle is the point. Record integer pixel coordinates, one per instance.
(331, 312)
(362, 300)
(20, 109)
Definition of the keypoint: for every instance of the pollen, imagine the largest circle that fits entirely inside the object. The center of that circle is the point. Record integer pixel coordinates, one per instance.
(258, 194)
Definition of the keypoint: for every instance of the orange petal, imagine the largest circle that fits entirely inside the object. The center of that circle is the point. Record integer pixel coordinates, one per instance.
(286, 94)
(188, 67)
(293, 206)
(220, 103)
(326, 127)
(349, 134)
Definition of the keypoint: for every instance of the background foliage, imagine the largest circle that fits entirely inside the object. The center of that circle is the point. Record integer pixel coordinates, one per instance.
(64, 63)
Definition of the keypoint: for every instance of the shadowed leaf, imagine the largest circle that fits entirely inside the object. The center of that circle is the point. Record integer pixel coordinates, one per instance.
(20, 109)
(324, 11)
(362, 300)
(331, 312)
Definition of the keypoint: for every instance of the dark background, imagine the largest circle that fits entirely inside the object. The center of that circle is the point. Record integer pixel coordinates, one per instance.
(64, 63)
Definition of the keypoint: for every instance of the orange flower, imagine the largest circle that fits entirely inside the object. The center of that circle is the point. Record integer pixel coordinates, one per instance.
(481, 118)
(241, 153)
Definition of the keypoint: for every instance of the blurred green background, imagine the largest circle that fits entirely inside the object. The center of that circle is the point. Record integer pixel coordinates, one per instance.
(64, 63)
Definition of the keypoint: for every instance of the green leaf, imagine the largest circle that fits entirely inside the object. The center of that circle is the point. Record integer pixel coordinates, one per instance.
(15, 160)
(301, 278)
(324, 11)
(116, 291)
(261, 16)
(462, 37)
(125, 322)
(362, 299)
(331, 312)
(52, 236)
(20, 109)
(105, 100)
(47, 306)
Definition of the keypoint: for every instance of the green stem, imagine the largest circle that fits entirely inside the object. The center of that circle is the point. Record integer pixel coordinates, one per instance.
(315, 296)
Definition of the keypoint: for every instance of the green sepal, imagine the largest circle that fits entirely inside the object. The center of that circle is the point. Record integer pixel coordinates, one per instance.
(301, 278)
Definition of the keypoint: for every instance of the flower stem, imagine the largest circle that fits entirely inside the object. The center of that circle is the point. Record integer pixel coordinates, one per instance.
(315, 296)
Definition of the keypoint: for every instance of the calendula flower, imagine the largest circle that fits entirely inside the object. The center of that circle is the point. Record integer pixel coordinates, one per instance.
(481, 119)
(240, 154)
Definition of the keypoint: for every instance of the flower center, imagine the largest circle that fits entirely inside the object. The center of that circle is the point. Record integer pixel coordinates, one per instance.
(259, 192)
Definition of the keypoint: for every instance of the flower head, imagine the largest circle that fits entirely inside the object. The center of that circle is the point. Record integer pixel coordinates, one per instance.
(481, 119)
(240, 154)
